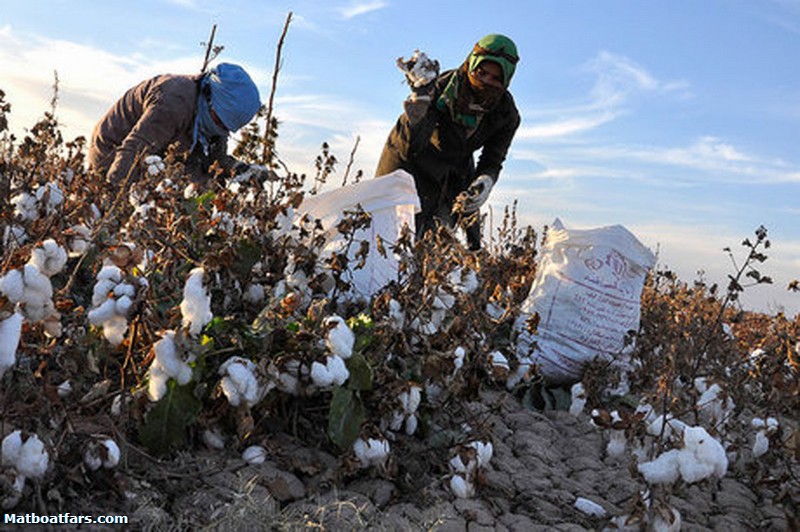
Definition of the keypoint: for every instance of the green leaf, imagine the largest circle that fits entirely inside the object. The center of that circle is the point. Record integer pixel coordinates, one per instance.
(247, 254)
(345, 418)
(360, 373)
(165, 425)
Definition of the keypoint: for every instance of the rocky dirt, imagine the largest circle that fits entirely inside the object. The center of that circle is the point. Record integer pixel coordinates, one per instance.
(543, 462)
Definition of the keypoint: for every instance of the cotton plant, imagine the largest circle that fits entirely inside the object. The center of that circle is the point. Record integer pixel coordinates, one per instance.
(405, 417)
(27, 457)
(104, 453)
(239, 382)
(170, 362)
(113, 296)
(466, 464)
(765, 427)
(196, 304)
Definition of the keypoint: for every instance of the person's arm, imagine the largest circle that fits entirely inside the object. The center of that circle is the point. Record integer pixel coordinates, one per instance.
(496, 148)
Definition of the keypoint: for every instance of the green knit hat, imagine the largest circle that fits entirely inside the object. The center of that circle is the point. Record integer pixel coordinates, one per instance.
(499, 49)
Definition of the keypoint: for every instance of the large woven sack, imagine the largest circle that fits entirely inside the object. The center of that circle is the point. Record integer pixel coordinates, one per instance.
(587, 293)
(391, 201)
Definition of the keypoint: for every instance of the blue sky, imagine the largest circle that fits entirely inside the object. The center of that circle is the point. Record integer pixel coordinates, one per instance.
(677, 119)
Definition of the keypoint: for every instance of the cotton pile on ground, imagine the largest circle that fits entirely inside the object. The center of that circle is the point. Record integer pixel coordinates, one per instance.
(542, 464)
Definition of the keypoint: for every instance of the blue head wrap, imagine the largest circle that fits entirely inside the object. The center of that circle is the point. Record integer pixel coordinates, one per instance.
(230, 91)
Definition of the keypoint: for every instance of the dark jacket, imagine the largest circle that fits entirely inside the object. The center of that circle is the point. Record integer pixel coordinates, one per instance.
(439, 152)
(147, 119)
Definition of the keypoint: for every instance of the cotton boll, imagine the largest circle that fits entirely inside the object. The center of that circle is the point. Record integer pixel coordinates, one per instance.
(254, 455)
(213, 439)
(662, 470)
(671, 523)
(320, 375)
(590, 508)
(616, 443)
(397, 317)
(12, 285)
(372, 452)
(196, 304)
(484, 452)
(33, 459)
(411, 424)
(457, 464)
(79, 239)
(254, 293)
(462, 488)
(702, 456)
(25, 206)
(761, 445)
(239, 383)
(460, 354)
(114, 329)
(338, 370)
(103, 313)
(64, 389)
(92, 458)
(166, 355)
(414, 399)
(50, 196)
(396, 423)
(578, 399)
(157, 383)
(110, 272)
(10, 332)
(340, 338)
(104, 454)
(11, 446)
(50, 258)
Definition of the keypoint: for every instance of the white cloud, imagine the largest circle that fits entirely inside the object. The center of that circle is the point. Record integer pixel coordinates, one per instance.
(361, 8)
(565, 127)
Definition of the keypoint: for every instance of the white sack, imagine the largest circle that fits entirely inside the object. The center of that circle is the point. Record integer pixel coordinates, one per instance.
(392, 202)
(587, 292)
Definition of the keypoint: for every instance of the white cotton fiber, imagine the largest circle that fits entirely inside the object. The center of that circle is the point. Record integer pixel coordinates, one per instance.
(340, 338)
(10, 331)
(662, 470)
(239, 383)
(12, 285)
(32, 460)
(196, 304)
(50, 258)
(590, 508)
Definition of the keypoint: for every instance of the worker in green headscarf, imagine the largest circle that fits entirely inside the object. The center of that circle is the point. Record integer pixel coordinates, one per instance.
(445, 122)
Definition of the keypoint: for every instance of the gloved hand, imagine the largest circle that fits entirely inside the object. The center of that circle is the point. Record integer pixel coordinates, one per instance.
(420, 73)
(478, 192)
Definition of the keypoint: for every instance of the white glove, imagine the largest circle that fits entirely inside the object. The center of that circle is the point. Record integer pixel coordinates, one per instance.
(478, 192)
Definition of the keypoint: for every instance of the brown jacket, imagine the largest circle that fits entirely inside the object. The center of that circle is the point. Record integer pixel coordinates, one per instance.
(147, 119)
